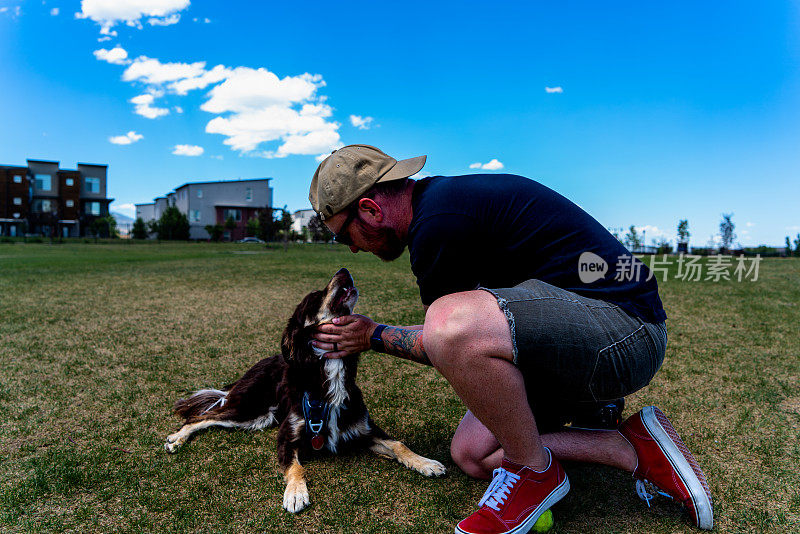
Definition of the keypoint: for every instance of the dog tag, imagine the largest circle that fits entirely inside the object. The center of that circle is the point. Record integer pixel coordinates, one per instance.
(317, 442)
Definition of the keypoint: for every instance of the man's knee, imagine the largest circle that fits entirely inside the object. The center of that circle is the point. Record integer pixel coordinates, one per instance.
(467, 460)
(465, 325)
(447, 327)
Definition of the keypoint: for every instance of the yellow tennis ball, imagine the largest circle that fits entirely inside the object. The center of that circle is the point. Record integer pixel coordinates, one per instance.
(544, 523)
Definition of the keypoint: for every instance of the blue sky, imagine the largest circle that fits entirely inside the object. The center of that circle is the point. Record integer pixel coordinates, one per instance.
(655, 113)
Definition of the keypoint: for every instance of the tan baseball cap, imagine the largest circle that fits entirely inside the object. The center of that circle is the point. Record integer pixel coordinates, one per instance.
(350, 171)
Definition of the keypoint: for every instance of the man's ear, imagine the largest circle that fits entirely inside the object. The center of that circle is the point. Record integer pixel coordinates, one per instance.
(370, 209)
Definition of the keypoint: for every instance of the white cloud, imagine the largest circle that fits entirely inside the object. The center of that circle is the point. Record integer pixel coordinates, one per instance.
(127, 139)
(362, 123)
(54, 11)
(750, 224)
(177, 109)
(13, 11)
(554, 89)
(200, 81)
(215, 156)
(493, 165)
(103, 39)
(207, 20)
(115, 56)
(108, 13)
(126, 209)
(187, 150)
(653, 232)
(153, 72)
(166, 21)
(252, 106)
(145, 108)
(247, 89)
(263, 108)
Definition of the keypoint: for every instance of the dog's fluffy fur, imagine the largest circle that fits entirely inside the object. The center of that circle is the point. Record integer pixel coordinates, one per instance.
(271, 393)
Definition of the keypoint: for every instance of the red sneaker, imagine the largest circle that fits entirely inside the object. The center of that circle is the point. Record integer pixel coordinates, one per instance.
(664, 461)
(516, 497)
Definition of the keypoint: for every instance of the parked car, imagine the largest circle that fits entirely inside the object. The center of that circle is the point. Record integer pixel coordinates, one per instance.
(251, 240)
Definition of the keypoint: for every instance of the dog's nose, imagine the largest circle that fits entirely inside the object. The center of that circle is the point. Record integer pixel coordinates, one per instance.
(344, 275)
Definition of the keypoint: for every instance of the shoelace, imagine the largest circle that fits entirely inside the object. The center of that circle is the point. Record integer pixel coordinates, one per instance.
(498, 490)
(647, 491)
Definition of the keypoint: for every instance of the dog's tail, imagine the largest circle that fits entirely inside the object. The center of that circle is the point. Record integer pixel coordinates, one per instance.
(201, 402)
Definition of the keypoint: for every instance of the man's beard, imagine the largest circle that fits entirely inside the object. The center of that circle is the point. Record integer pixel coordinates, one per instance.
(389, 246)
(392, 247)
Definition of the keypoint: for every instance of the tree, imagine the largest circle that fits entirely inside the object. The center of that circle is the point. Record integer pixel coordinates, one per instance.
(797, 245)
(215, 231)
(252, 227)
(266, 224)
(318, 230)
(172, 225)
(663, 246)
(285, 224)
(230, 225)
(632, 239)
(726, 234)
(683, 231)
(139, 230)
(104, 227)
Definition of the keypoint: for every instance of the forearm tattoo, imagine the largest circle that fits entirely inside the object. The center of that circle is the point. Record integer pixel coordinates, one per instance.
(405, 343)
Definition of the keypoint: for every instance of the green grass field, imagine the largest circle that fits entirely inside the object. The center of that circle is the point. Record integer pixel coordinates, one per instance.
(98, 340)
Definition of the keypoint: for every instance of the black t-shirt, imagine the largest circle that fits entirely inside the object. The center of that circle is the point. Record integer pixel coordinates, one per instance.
(498, 230)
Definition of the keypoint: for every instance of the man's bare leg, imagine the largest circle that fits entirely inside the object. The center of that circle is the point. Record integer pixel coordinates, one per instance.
(467, 338)
(477, 452)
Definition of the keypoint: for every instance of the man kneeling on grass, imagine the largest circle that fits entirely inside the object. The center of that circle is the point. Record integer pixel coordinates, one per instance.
(526, 339)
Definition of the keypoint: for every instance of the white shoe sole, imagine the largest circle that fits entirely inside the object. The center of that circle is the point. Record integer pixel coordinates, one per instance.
(555, 496)
(683, 463)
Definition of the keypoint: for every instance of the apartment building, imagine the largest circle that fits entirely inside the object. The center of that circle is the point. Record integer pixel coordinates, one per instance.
(301, 218)
(209, 203)
(41, 198)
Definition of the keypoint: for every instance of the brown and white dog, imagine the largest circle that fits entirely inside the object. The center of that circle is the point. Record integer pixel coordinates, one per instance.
(315, 400)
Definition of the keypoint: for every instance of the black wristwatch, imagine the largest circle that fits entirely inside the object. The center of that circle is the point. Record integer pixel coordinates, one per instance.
(376, 341)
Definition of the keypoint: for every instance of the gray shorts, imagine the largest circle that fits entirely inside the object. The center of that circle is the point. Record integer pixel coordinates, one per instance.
(574, 350)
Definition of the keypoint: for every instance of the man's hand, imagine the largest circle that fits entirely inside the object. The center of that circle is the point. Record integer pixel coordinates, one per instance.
(347, 335)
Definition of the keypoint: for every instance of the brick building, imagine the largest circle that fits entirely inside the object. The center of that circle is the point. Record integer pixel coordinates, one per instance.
(43, 199)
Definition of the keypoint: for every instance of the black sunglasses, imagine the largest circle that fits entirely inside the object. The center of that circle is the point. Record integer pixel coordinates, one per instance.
(343, 236)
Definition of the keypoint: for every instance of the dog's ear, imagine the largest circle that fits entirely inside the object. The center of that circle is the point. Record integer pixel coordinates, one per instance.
(297, 328)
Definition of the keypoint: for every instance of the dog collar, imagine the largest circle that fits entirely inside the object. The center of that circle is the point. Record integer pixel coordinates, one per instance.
(316, 414)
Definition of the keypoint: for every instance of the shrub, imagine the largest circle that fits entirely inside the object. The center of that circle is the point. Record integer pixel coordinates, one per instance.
(139, 230)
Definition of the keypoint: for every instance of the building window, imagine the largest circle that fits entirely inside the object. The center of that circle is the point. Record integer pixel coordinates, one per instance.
(16, 216)
(43, 182)
(70, 203)
(194, 216)
(248, 195)
(41, 206)
(17, 179)
(92, 208)
(70, 182)
(199, 193)
(17, 201)
(92, 185)
(234, 214)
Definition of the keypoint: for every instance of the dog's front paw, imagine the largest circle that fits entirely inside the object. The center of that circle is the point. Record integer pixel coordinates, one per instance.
(174, 442)
(430, 468)
(296, 498)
